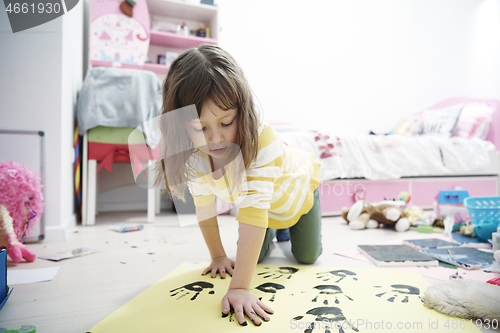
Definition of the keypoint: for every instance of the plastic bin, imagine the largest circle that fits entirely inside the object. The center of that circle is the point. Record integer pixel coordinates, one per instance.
(485, 214)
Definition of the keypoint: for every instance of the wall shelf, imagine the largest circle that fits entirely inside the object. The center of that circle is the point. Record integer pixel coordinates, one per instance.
(181, 9)
(158, 69)
(176, 41)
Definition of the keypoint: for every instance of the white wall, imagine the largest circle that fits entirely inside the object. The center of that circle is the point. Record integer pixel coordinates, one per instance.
(40, 70)
(360, 65)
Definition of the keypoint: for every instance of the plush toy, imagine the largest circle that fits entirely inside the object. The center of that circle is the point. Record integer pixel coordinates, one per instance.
(8, 239)
(364, 215)
(467, 299)
(21, 203)
(416, 215)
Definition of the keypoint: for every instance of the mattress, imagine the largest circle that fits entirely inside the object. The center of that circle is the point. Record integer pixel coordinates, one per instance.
(379, 157)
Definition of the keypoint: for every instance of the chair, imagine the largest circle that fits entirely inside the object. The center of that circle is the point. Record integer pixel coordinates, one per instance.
(105, 145)
(111, 104)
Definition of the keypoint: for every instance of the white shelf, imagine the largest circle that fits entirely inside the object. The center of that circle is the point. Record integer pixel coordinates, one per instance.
(181, 9)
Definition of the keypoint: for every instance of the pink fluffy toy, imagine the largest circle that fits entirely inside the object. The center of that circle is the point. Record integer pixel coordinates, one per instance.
(21, 204)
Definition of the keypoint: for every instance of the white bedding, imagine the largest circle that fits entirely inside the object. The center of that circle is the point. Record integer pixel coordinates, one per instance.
(387, 157)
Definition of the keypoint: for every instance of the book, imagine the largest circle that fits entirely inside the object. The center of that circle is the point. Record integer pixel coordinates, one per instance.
(396, 255)
(463, 256)
(428, 243)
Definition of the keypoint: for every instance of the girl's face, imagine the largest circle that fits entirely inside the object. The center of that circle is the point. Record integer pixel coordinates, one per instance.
(216, 129)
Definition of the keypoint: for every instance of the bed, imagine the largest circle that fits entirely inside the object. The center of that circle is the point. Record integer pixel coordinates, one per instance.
(375, 167)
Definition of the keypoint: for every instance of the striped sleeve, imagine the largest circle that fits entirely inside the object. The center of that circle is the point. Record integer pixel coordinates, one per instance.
(260, 177)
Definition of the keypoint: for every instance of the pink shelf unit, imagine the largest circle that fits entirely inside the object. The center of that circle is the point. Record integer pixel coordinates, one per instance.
(158, 69)
(176, 41)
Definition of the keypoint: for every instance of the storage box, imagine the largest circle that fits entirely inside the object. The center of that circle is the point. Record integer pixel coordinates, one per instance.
(4, 289)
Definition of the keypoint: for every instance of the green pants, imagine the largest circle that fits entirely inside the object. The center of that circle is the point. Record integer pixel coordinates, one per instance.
(305, 236)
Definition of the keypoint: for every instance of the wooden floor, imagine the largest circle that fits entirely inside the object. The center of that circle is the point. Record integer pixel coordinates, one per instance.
(87, 289)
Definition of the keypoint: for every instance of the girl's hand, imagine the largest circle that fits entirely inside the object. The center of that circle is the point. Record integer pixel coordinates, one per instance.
(243, 303)
(222, 265)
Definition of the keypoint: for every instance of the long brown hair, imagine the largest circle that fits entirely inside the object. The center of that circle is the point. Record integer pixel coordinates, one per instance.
(198, 74)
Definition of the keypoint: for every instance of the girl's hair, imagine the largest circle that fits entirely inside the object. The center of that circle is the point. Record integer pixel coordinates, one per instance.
(198, 74)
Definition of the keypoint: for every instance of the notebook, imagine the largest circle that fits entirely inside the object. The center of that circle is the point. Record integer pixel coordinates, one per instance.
(428, 243)
(465, 257)
(396, 255)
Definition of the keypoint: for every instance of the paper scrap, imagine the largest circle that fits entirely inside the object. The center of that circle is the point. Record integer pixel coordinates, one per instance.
(126, 227)
(22, 276)
(82, 251)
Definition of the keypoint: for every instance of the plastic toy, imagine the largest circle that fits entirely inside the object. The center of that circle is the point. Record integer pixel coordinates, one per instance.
(202, 31)
(451, 203)
(452, 197)
(21, 204)
(23, 329)
(364, 215)
(494, 281)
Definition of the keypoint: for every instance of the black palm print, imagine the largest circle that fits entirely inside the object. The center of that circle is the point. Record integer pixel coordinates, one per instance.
(326, 291)
(230, 314)
(270, 288)
(196, 287)
(341, 273)
(280, 272)
(327, 318)
(400, 289)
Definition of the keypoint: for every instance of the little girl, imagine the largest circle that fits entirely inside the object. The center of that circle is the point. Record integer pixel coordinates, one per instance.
(280, 182)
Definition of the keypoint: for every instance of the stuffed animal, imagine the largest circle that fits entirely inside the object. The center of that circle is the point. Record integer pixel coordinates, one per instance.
(364, 215)
(416, 215)
(8, 239)
(467, 299)
(21, 200)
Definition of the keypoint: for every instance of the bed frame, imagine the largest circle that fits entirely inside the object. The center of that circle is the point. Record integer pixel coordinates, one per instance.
(338, 193)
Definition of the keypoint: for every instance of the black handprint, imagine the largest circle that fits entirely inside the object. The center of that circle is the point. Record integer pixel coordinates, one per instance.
(327, 317)
(270, 287)
(197, 287)
(230, 314)
(400, 289)
(342, 273)
(329, 290)
(281, 271)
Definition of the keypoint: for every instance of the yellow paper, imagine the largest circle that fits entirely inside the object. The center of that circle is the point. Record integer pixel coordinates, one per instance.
(359, 300)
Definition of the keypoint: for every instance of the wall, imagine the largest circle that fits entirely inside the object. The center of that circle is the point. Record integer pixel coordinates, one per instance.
(40, 70)
(354, 66)
(72, 77)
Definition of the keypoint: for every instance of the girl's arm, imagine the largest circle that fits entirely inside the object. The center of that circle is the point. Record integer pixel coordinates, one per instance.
(249, 245)
(238, 296)
(207, 218)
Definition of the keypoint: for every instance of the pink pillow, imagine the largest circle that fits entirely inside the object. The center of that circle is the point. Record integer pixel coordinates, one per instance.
(474, 121)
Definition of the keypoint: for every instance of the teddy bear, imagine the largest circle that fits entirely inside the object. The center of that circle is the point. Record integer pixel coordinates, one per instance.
(363, 215)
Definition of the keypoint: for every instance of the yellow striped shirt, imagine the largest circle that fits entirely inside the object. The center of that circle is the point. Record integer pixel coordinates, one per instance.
(279, 183)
